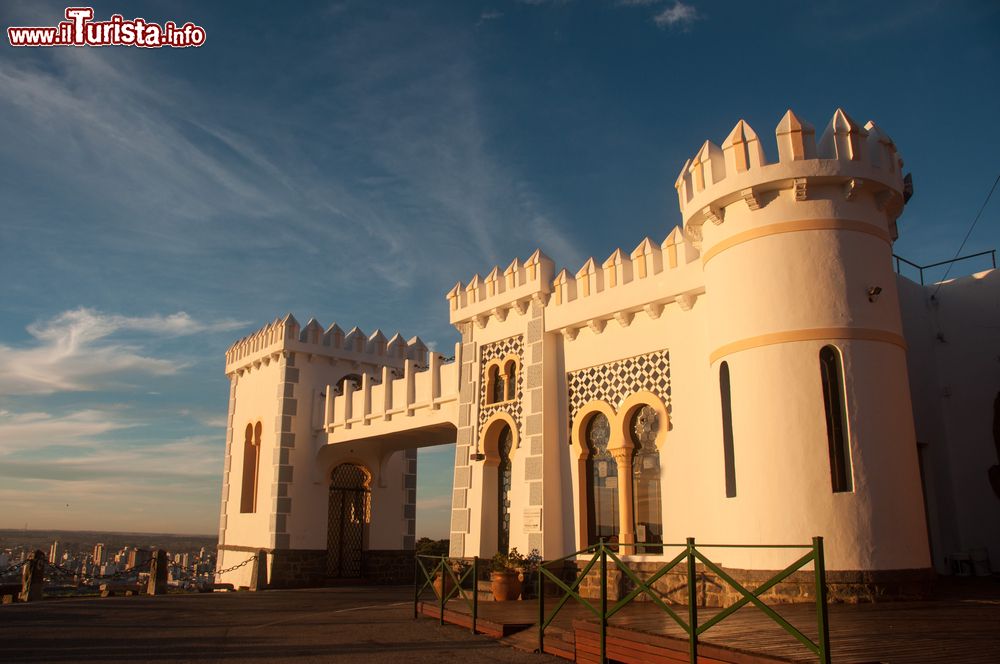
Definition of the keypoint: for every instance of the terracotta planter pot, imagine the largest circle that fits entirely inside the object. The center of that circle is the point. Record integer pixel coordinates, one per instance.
(506, 586)
(449, 584)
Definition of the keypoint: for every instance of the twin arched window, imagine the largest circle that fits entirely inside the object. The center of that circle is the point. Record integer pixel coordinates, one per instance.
(501, 381)
(251, 465)
(623, 496)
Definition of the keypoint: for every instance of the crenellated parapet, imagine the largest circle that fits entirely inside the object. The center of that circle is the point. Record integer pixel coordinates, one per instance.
(847, 154)
(286, 335)
(645, 279)
(415, 390)
(502, 290)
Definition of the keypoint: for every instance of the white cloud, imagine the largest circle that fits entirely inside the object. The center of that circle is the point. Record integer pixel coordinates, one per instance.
(679, 15)
(32, 445)
(32, 430)
(489, 15)
(92, 468)
(74, 352)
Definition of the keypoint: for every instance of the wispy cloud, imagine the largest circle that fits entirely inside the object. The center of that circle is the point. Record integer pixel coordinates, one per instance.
(75, 351)
(679, 15)
(34, 430)
(106, 468)
(489, 15)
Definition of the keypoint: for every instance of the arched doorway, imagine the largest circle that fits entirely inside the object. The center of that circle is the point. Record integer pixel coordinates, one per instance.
(347, 517)
(505, 443)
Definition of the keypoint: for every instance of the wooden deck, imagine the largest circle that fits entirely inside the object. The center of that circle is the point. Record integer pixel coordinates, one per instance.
(959, 628)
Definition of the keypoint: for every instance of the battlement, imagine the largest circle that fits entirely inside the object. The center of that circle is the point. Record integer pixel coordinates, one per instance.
(646, 278)
(368, 407)
(286, 334)
(500, 291)
(739, 169)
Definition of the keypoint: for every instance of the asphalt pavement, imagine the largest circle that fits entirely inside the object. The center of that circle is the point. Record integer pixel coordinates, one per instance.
(351, 624)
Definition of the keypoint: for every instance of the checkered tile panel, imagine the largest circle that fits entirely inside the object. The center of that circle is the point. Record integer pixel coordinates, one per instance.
(615, 381)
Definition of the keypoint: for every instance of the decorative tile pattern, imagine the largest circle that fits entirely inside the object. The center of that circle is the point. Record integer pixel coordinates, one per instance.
(510, 346)
(615, 381)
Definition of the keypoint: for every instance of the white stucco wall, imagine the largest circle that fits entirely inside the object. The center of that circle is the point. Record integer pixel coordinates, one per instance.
(954, 364)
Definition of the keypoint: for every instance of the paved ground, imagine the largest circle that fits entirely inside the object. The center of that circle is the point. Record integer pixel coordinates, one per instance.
(371, 624)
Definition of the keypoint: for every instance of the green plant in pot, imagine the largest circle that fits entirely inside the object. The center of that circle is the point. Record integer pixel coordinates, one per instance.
(507, 569)
(444, 582)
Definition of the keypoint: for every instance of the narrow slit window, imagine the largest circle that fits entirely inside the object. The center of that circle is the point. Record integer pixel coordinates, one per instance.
(727, 430)
(834, 402)
(251, 463)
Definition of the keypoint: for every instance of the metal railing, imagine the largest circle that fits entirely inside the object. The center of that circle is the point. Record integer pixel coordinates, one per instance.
(992, 253)
(454, 574)
(690, 554)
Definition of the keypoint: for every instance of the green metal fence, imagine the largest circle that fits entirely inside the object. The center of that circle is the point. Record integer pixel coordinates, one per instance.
(462, 572)
(456, 570)
(690, 554)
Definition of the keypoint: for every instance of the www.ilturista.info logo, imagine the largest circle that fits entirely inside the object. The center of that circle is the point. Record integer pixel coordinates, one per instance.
(79, 29)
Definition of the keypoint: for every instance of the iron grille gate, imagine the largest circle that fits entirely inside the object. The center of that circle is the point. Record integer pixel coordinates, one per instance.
(348, 514)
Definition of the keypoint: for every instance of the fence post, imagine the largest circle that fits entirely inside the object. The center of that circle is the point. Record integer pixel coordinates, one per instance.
(416, 584)
(541, 609)
(604, 603)
(822, 620)
(157, 584)
(475, 592)
(444, 587)
(33, 577)
(692, 603)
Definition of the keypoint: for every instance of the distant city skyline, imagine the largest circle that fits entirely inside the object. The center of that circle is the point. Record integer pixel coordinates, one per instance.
(350, 161)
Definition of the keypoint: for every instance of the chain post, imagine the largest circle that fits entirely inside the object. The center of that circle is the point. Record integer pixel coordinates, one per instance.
(692, 603)
(822, 620)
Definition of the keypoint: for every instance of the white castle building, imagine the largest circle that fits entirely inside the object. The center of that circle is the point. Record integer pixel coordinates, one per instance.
(761, 375)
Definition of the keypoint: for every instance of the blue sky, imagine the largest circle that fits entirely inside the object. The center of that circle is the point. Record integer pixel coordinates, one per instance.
(353, 160)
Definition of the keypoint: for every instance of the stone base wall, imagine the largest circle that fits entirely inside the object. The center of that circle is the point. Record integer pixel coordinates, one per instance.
(297, 568)
(388, 566)
(842, 586)
(306, 568)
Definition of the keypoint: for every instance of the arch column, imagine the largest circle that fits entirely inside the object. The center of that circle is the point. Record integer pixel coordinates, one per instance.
(622, 453)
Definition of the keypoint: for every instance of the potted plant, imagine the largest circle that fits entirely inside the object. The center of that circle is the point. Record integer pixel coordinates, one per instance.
(506, 575)
(447, 583)
(529, 574)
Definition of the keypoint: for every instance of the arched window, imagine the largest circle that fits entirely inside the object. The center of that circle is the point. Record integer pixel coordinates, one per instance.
(727, 430)
(643, 427)
(835, 406)
(251, 462)
(505, 444)
(495, 385)
(602, 482)
(353, 378)
(510, 378)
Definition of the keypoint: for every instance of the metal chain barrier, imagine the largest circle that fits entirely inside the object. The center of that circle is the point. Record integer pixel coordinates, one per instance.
(14, 567)
(54, 569)
(98, 577)
(230, 569)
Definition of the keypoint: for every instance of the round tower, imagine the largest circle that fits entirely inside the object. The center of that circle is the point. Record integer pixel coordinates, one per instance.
(803, 311)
